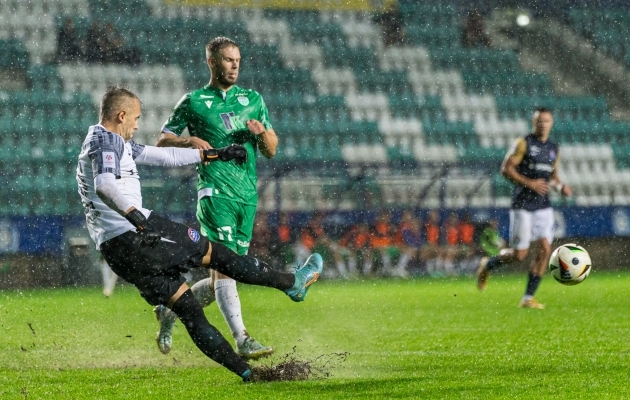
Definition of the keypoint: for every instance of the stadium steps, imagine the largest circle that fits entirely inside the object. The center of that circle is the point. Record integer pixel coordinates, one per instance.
(159, 87)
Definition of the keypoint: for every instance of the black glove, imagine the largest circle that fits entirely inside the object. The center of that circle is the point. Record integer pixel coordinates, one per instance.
(234, 152)
(147, 235)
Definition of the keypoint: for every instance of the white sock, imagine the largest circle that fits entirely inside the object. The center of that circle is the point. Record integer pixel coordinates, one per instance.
(106, 272)
(230, 305)
(352, 265)
(449, 267)
(431, 265)
(387, 261)
(202, 292)
(367, 267)
(402, 261)
(111, 284)
(527, 297)
(109, 279)
(341, 268)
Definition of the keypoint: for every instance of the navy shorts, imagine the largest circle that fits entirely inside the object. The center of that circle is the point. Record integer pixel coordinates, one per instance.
(156, 271)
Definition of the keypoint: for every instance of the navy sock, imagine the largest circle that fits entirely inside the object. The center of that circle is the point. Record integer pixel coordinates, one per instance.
(493, 263)
(207, 338)
(532, 284)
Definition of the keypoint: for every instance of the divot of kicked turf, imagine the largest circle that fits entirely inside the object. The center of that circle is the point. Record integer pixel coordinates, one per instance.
(292, 367)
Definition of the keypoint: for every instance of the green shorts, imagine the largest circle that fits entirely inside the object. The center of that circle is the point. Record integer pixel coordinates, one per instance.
(227, 222)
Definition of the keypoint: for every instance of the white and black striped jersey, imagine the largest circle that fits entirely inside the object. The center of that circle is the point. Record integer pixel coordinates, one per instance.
(105, 152)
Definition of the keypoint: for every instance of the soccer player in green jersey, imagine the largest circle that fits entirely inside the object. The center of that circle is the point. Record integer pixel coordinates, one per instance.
(219, 114)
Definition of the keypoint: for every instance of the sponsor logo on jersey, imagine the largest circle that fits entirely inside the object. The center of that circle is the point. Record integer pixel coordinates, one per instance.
(534, 150)
(543, 167)
(109, 161)
(242, 243)
(208, 103)
(193, 235)
(203, 96)
(244, 101)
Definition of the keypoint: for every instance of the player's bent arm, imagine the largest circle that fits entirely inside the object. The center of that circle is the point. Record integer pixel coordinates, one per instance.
(513, 158)
(168, 139)
(107, 190)
(508, 170)
(268, 143)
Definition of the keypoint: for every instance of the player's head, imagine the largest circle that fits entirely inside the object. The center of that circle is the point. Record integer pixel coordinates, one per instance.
(224, 59)
(542, 121)
(120, 111)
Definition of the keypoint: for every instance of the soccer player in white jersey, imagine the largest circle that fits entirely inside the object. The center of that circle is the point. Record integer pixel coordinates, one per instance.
(152, 252)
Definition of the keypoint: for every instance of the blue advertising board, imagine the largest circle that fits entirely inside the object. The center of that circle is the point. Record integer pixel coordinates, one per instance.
(45, 235)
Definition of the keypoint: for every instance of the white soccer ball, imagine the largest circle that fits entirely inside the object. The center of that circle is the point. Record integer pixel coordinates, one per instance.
(570, 264)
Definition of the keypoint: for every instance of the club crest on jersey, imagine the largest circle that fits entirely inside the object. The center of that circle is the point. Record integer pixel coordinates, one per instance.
(552, 155)
(109, 161)
(193, 235)
(244, 101)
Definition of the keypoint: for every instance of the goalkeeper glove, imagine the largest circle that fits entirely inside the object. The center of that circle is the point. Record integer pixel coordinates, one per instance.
(234, 152)
(147, 235)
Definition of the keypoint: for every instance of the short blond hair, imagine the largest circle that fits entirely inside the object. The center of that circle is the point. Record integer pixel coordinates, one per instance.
(114, 100)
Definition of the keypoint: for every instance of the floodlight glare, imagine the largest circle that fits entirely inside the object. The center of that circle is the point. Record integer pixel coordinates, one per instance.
(522, 20)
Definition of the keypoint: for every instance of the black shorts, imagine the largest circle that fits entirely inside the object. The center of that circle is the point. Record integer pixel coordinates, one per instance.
(156, 271)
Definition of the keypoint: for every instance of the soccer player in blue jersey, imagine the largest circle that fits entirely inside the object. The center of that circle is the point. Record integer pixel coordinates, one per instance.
(532, 165)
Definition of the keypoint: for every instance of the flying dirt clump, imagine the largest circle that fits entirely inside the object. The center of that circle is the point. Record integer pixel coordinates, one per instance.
(292, 367)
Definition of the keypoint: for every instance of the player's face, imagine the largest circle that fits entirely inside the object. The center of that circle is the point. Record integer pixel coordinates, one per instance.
(225, 65)
(542, 121)
(130, 120)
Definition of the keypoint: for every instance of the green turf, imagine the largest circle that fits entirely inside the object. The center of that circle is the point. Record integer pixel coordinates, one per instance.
(407, 339)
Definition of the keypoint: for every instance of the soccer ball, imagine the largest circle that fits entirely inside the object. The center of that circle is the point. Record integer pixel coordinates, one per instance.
(570, 264)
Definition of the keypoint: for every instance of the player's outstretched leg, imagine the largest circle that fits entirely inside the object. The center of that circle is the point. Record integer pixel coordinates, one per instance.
(207, 338)
(166, 317)
(482, 274)
(252, 271)
(488, 264)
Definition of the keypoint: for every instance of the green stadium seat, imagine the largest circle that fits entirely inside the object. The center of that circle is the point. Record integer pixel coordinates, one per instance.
(501, 186)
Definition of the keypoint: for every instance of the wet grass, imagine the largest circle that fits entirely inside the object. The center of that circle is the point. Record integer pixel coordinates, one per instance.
(406, 339)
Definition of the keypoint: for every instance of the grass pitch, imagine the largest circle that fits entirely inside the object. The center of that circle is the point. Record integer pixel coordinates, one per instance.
(420, 338)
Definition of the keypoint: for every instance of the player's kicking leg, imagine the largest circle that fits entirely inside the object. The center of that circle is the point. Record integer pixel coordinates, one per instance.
(489, 264)
(520, 238)
(247, 270)
(230, 264)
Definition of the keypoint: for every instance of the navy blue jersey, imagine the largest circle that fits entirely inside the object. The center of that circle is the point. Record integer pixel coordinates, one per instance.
(538, 161)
